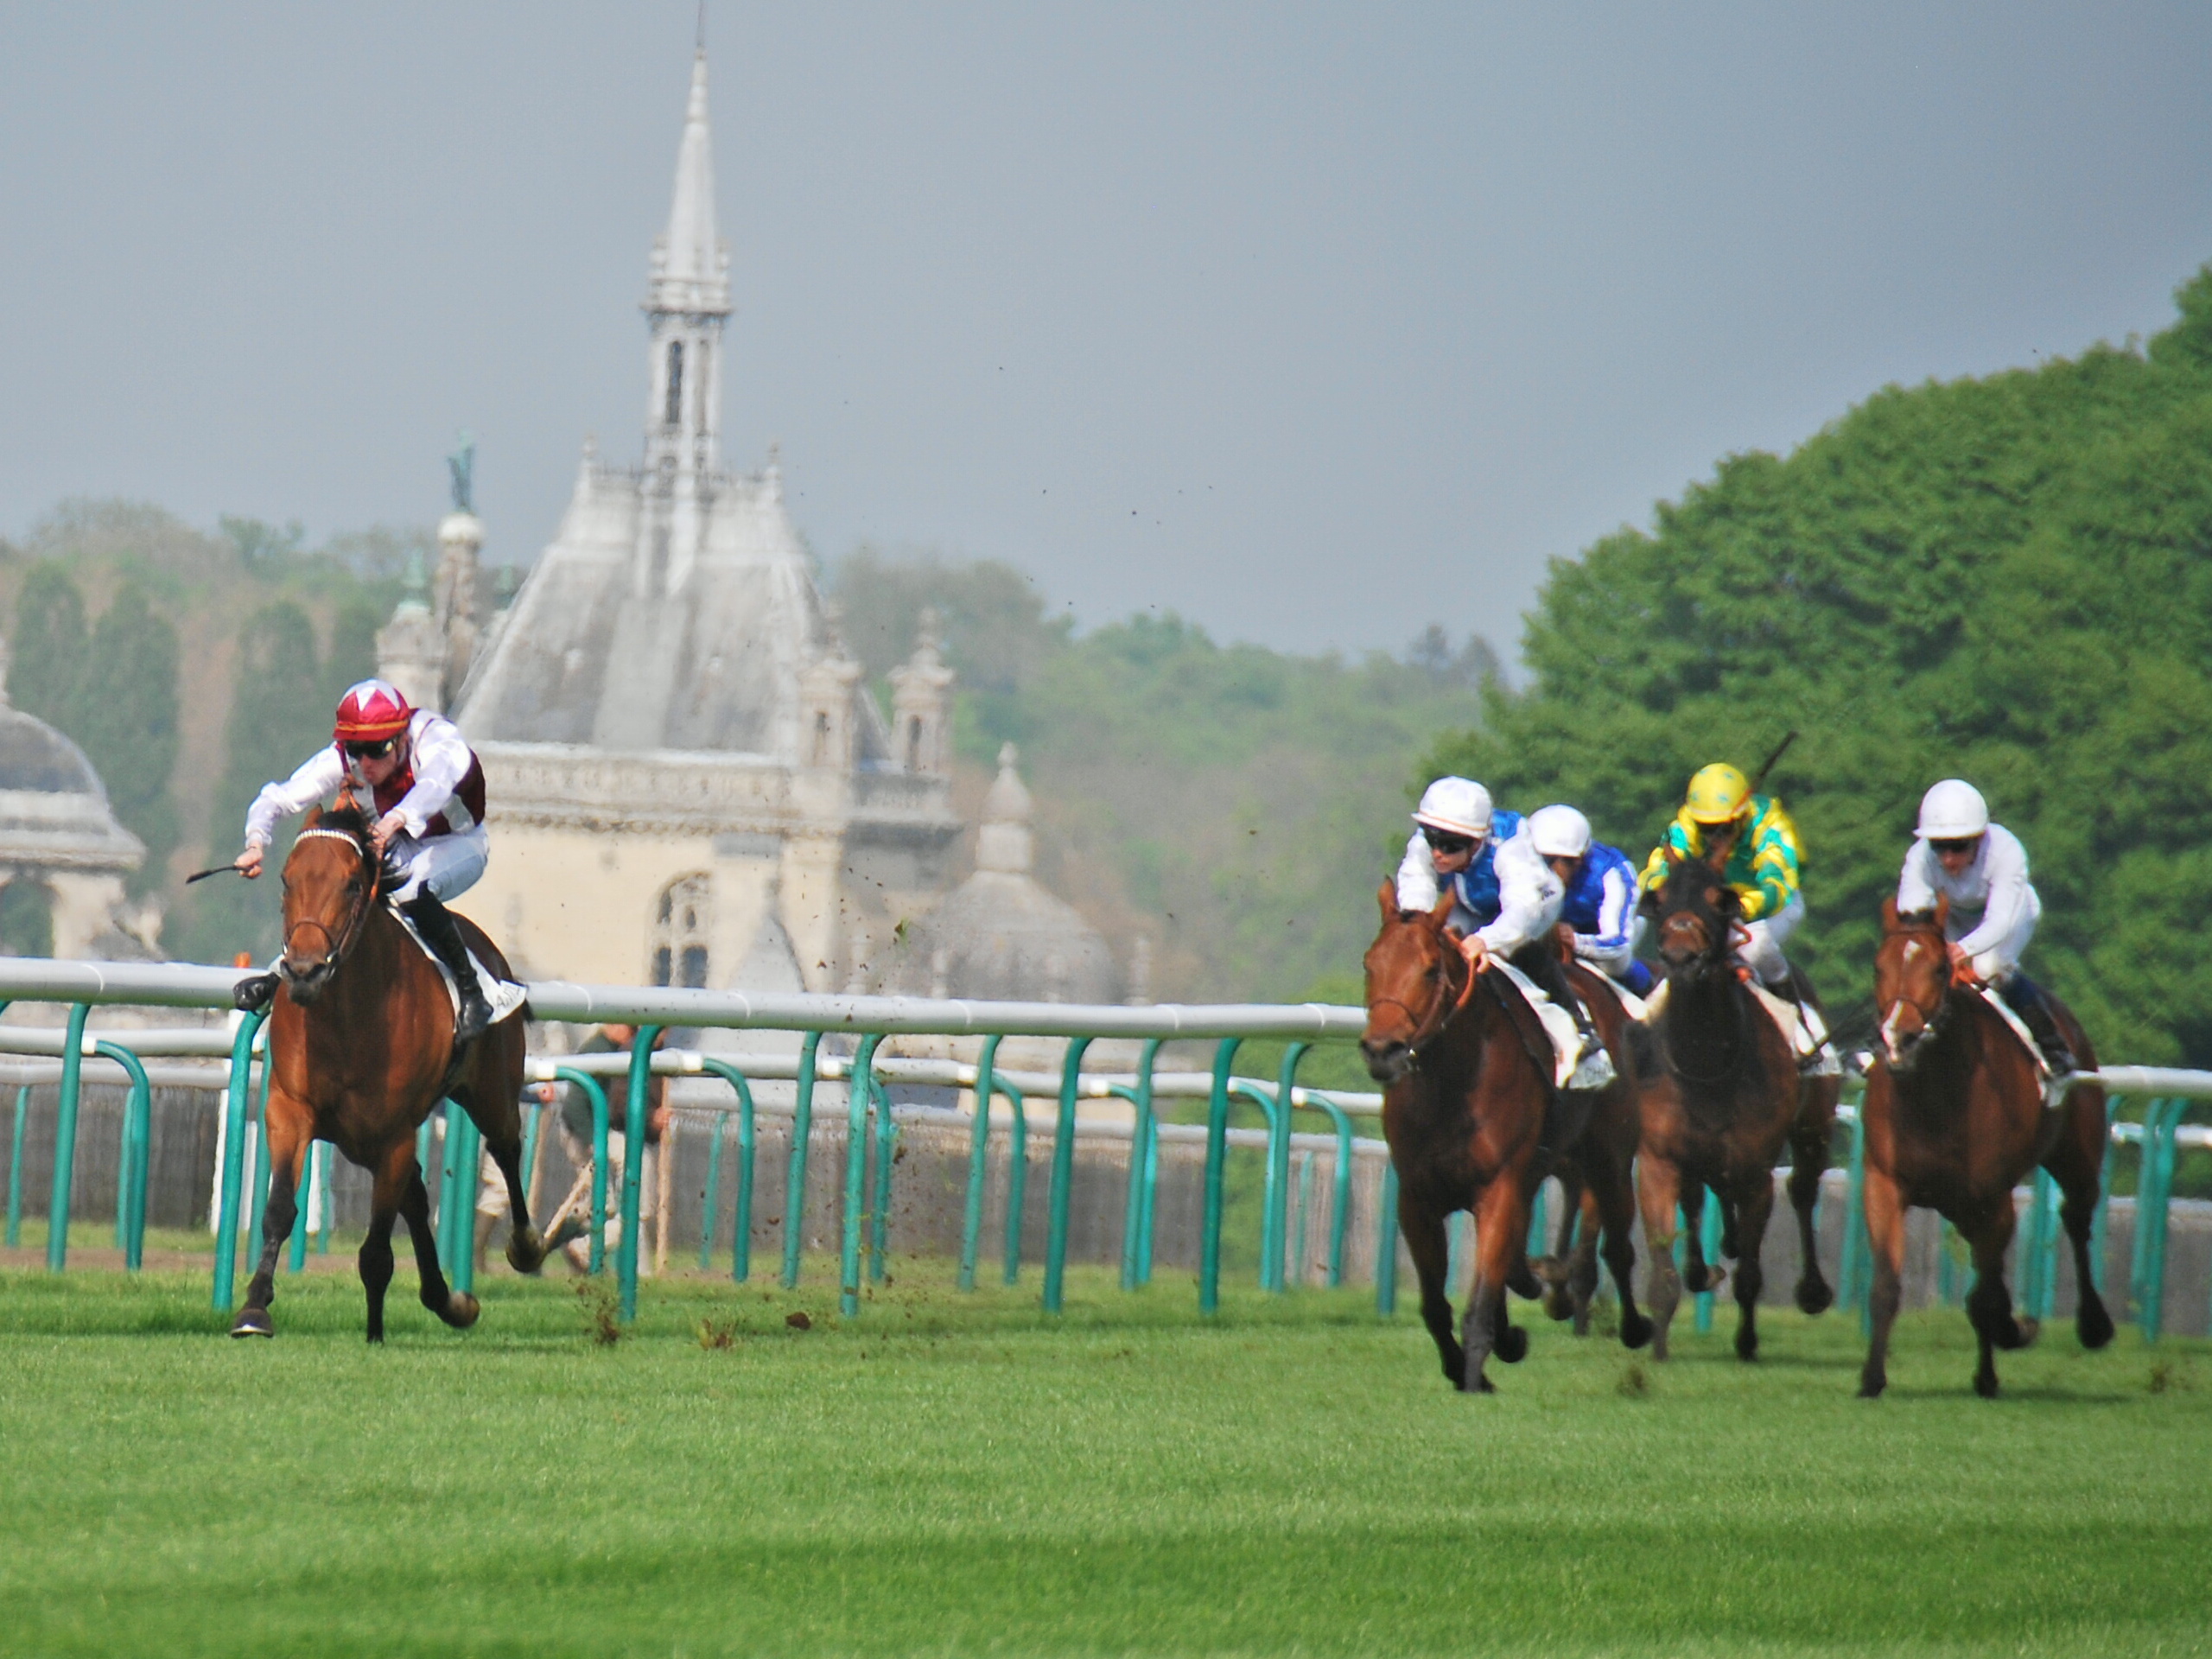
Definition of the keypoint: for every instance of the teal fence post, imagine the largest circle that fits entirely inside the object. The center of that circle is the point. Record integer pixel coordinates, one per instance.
(1457, 1227)
(2159, 1150)
(2042, 1271)
(1216, 1158)
(1856, 1253)
(1147, 1230)
(533, 1125)
(635, 1113)
(65, 1142)
(1140, 1140)
(1056, 1235)
(1259, 1096)
(1709, 1238)
(2139, 1254)
(979, 1147)
(2099, 1222)
(226, 1211)
(1017, 1179)
(1386, 1243)
(600, 1119)
(131, 1165)
(741, 1247)
(794, 1176)
(451, 1206)
(859, 1086)
(711, 1199)
(15, 1169)
(1539, 1208)
(1294, 1268)
(296, 1258)
(259, 1185)
(1275, 1209)
(1340, 1201)
(887, 1157)
(323, 1153)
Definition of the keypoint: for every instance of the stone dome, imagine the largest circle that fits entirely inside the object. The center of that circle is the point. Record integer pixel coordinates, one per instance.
(1000, 935)
(54, 807)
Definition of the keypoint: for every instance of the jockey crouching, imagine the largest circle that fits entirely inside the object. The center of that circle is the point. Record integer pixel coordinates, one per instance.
(1599, 910)
(1750, 840)
(1982, 868)
(1506, 899)
(428, 789)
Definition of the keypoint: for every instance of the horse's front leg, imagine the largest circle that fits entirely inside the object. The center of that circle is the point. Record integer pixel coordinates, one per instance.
(1501, 1228)
(456, 1307)
(393, 1175)
(1810, 1139)
(1754, 1207)
(1989, 1305)
(288, 1125)
(1658, 1190)
(1422, 1223)
(1885, 1239)
(1612, 1191)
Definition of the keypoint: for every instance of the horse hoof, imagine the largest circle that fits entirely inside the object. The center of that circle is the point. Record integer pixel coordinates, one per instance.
(1747, 1347)
(1814, 1297)
(1985, 1384)
(1559, 1304)
(2092, 1325)
(461, 1310)
(526, 1250)
(1523, 1283)
(1480, 1385)
(1871, 1387)
(1636, 1330)
(1512, 1344)
(254, 1322)
(2028, 1330)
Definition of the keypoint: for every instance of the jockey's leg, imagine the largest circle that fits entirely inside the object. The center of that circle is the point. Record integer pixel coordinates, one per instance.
(1762, 949)
(442, 867)
(2026, 998)
(1541, 961)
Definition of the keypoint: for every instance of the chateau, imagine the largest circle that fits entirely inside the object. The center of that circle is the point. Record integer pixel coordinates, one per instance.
(688, 782)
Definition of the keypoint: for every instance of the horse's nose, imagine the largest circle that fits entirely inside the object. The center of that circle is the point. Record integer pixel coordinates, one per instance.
(1386, 1058)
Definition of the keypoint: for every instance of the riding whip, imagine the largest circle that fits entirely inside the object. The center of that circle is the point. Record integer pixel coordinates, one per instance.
(1780, 749)
(220, 869)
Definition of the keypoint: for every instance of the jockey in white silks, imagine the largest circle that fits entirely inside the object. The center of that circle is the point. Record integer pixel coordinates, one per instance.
(1506, 899)
(1600, 905)
(1982, 868)
(428, 787)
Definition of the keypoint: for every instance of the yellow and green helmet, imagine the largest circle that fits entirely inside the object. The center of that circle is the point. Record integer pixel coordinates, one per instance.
(1719, 794)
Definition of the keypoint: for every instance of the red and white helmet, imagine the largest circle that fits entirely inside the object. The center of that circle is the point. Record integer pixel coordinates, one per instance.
(371, 712)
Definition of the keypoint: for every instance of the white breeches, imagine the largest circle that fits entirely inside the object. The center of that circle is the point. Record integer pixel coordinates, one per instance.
(447, 865)
(1613, 963)
(1761, 951)
(1996, 964)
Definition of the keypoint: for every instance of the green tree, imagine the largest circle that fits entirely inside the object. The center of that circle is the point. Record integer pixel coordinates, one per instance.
(46, 669)
(2007, 580)
(129, 724)
(279, 716)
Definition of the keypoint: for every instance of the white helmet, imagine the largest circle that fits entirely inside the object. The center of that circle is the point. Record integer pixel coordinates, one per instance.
(1459, 806)
(1953, 810)
(1559, 831)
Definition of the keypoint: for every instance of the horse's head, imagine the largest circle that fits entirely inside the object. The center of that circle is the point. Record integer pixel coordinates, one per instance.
(1912, 979)
(1695, 914)
(330, 885)
(1416, 980)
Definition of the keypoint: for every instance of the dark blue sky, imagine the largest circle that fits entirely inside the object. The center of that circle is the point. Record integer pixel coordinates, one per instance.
(1315, 324)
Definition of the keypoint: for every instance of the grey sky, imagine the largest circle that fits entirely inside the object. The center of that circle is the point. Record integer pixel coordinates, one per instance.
(1313, 323)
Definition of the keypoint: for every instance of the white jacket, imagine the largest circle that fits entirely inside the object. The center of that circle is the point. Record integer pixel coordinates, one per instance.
(1529, 894)
(438, 753)
(1993, 905)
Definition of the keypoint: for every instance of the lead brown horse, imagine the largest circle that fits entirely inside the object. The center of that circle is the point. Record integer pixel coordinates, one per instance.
(361, 1044)
(1955, 1116)
(1717, 1108)
(1474, 1123)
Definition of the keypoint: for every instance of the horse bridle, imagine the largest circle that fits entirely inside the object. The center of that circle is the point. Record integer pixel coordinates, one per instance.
(1931, 1025)
(336, 954)
(1704, 964)
(1429, 1027)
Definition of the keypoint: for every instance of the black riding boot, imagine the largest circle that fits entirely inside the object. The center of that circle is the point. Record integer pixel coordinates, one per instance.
(1541, 964)
(2026, 998)
(436, 924)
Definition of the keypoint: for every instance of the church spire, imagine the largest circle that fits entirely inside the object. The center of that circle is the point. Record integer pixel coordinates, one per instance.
(690, 264)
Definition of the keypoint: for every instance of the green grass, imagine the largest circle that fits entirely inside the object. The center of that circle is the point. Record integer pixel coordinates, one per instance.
(960, 1474)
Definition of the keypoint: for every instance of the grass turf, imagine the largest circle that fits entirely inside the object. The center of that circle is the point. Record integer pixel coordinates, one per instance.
(960, 1474)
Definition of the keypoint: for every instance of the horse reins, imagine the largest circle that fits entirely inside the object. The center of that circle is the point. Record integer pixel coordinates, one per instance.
(1422, 1034)
(336, 954)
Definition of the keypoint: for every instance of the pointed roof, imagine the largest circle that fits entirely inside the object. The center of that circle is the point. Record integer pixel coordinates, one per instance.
(690, 263)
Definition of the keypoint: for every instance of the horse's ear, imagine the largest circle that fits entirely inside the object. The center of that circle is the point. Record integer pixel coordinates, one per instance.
(314, 817)
(1386, 896)
(1725, 899)
(1647, 903)
(1442, 913)
(1889, 914)
(1942, 910)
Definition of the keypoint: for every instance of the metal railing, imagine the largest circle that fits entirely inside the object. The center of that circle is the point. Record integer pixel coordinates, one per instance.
(871, 1120)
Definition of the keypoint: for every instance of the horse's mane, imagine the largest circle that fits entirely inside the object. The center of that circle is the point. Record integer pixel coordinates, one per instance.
(346, 818)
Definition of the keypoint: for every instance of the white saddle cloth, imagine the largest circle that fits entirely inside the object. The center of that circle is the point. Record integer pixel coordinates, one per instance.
(1572, 1069)
(1989, 995)
(503, 994)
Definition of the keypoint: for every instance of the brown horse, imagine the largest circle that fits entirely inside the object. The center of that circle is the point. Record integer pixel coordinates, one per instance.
(361, 1040)
(1718, 1107)
(1955, 1116)
(1474, 1123)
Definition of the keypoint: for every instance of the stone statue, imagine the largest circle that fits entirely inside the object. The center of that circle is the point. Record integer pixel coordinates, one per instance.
(462, 465)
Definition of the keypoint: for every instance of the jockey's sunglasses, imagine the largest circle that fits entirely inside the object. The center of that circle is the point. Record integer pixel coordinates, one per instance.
(1955, 847)
(375, 751)
(1444, 842)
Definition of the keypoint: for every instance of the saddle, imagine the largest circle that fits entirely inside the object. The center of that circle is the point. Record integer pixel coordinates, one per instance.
(505, 995)
(1560, 1044)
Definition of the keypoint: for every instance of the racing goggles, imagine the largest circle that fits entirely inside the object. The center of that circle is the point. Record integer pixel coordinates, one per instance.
(1954, 848)
(376, 751)
(1444, 842)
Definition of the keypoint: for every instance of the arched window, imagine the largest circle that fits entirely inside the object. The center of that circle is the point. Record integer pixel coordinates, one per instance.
(672, 413)
(683, 921)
